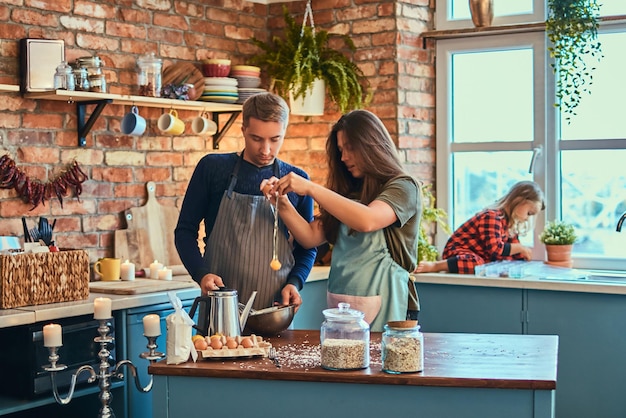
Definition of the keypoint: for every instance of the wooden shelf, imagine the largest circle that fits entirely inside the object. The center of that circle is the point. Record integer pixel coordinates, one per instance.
(100, 100)
(8, 88)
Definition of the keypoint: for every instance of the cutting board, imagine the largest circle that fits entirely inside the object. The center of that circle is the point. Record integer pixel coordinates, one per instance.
(184, 73)
(159, 223)
(134, 245)
(138, 286)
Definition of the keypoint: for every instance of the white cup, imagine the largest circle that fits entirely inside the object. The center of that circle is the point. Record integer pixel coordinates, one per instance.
(132, 123)
(201, 125)
(170, 124)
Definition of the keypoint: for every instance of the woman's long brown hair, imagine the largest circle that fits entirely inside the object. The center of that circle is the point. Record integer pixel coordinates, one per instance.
(375, 155)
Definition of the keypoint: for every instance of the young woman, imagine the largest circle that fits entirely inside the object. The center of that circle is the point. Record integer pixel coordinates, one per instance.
(370, 212)
(492, 234)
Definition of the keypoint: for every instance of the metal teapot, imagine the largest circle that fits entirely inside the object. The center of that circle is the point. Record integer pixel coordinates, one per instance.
(219, 313)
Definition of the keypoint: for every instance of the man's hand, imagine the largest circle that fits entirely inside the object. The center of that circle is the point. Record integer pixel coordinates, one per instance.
(210, 282)
(291, 296)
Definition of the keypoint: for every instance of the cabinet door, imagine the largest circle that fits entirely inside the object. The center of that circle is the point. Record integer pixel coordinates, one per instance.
(473, 309)
(592, 347)
(310, 315)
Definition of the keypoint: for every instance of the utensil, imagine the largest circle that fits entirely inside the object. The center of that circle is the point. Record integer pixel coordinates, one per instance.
(45, 231)
(27, 237)
(271, 321)
(272, 355)
(219, 313)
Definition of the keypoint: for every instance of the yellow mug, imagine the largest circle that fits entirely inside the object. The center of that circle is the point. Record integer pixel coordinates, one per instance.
(108, 269)
(169, 123)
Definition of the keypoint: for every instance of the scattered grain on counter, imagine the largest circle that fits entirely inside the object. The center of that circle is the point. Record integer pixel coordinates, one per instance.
(403, 355)
(344, 354)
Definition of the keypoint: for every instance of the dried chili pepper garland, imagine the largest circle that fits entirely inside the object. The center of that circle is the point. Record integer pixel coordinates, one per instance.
(34, 191)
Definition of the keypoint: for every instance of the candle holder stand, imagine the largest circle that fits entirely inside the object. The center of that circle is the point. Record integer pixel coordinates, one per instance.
(105, 371)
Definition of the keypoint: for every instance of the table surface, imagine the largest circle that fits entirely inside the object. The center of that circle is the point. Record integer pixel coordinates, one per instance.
(450, 360)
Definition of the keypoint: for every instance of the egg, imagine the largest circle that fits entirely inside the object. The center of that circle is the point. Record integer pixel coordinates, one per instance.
(216, 343)
(200, 344)
(246, 342)
(231, 343)
(275, 264)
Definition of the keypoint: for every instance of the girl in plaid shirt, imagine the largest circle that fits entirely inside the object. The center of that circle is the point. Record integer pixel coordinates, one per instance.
(492, 234)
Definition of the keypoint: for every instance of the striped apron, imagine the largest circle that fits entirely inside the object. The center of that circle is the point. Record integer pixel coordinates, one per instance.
(239, 249)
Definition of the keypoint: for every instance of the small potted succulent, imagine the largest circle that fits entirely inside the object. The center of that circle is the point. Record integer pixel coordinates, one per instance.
(559, 237)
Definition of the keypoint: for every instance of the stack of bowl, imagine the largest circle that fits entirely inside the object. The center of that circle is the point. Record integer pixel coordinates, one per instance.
(216, 67)
(248, 80)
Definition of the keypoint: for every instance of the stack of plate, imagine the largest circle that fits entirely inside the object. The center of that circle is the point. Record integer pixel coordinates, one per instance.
(248, 80)
(220, 90)
(247, 92)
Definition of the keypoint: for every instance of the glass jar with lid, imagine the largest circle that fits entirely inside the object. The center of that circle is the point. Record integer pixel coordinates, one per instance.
(344, 339)
(149, 75)
(402, 347)
(64, 77)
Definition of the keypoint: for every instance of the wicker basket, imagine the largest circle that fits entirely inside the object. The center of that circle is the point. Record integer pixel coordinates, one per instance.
(35, 279)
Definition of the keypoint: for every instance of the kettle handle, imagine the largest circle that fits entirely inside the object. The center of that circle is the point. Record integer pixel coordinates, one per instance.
(201, 326)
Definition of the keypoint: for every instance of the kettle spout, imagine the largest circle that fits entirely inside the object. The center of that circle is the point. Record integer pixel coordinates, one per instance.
(246, 311)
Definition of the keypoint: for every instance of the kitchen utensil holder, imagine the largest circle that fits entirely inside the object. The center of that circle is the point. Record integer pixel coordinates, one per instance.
(104, 371)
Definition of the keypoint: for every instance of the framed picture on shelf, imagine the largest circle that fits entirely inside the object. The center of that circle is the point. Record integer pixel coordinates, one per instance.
(39, 59)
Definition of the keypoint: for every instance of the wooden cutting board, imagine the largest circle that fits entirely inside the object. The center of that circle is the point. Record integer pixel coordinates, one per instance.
(138, 286)
(159, 223)
(134, 245)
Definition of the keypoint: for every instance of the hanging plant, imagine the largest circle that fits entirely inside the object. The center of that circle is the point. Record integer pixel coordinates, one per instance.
(572, 28)
(302, 55)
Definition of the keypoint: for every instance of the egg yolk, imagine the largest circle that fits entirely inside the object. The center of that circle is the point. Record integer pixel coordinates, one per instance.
(275, 265)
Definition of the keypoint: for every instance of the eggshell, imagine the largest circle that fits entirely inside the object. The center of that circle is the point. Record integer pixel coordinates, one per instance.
(216, 343)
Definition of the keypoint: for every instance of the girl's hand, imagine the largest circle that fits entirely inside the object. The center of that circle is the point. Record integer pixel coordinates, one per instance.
(268, 187)
(294, 183)
(526, 253)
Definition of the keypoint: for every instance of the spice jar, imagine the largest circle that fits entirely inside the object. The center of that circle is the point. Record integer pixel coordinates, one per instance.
(149, 75)
(97, 83)
(345, 339)
(64, 77)
(402, 347)
(81, 79)
(95, 75)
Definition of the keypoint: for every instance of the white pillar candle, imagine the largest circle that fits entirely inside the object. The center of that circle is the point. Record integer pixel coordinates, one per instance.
(152, 325)
(102, 308)
(52, 335)
(128, 271)
(154, 269)
(165, 274)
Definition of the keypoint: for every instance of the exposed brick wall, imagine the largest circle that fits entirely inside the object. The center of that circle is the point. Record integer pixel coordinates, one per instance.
(41, 135)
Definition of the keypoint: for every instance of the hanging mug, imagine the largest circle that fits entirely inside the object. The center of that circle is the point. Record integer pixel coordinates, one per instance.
(202, 125)
(132, 123)
(169, 123)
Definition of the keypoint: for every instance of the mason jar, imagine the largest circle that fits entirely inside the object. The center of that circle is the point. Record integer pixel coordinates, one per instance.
(344, 339)
(402, 347)
(149, 75)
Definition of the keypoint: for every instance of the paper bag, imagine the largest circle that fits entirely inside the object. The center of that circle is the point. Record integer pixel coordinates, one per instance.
(178, 341)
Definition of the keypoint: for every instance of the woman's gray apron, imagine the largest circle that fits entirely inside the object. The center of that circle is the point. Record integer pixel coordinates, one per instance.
(239, 249)
(364, 274)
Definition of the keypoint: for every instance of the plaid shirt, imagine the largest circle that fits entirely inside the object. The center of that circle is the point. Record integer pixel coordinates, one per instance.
(481, 239)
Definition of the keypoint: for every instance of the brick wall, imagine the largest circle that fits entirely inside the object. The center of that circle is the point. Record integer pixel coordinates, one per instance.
(41, 135)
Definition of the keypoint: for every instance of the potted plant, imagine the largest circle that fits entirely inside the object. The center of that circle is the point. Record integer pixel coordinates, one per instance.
(430, 215)
(559, 237)
(572, 28)
(302, 56)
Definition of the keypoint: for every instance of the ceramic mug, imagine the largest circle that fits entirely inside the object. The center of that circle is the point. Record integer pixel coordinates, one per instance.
(108, 269)
(170, 124)
(132, 123)
(201, 125)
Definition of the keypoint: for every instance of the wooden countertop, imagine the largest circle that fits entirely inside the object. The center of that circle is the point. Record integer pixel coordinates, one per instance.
(450, 360)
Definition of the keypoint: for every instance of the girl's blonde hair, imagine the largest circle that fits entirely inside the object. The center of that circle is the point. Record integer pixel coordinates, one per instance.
(520, 192)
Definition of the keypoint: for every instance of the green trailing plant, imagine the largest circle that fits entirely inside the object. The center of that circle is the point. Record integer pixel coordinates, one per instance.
(303, 55)
(430, 215)
(572, 28)
(558, 233)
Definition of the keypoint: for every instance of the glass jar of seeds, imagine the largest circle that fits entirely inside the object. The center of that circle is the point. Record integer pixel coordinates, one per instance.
(345, 339)
(402, 347)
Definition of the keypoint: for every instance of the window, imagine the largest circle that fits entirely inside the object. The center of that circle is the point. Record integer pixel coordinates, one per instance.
(498, 125)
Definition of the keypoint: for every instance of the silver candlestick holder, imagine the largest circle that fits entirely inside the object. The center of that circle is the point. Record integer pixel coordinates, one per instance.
(105, 371)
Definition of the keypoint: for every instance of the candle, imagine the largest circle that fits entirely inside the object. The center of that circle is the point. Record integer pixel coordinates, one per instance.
(154, 269)
(102, 308)
(152, 325)
(52, 335)
(128, 271)
(165, 274)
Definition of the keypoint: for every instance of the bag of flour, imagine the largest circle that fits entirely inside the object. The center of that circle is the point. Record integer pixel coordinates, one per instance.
(179, 324)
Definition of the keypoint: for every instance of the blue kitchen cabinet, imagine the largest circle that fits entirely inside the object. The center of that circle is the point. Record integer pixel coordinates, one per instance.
(592, 350)
(140, 404)
(471, 309)
(310, 315)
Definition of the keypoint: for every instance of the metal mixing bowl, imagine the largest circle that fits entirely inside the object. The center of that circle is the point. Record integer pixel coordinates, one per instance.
(270, 321)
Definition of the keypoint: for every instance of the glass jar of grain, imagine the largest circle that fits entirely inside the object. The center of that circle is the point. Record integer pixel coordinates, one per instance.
(402, 347)
(345, 339)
